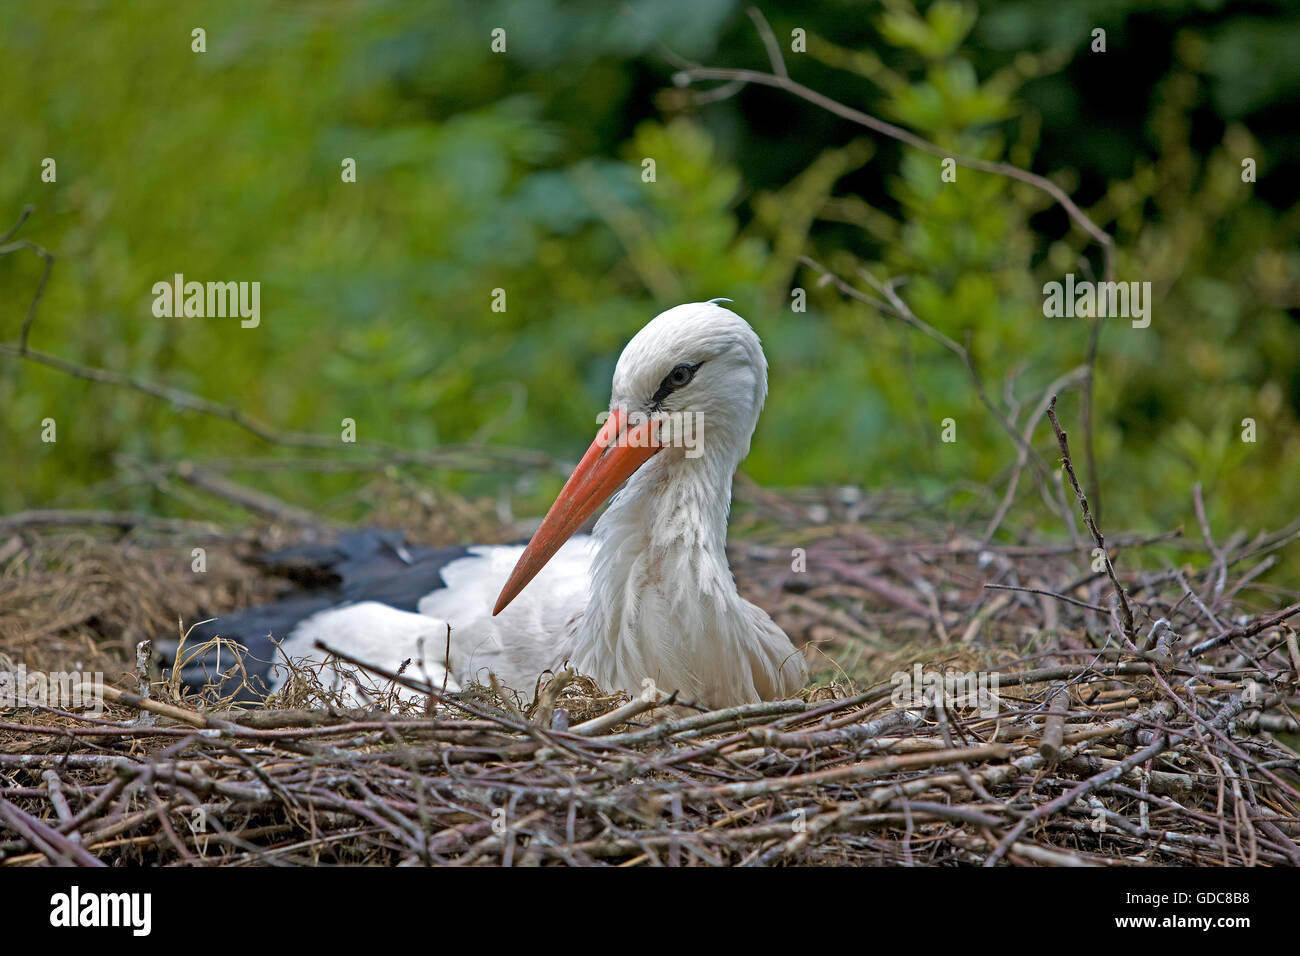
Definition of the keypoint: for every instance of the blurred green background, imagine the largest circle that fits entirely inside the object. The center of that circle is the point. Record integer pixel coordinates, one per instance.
(522, 171)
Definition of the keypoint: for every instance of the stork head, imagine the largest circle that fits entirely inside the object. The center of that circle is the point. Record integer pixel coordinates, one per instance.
(691, 383)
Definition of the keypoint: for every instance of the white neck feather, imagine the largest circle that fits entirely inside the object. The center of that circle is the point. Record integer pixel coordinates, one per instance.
(664, 606)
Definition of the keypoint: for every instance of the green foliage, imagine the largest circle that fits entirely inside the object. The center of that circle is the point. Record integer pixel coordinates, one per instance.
(1170, 399)
(525, 173)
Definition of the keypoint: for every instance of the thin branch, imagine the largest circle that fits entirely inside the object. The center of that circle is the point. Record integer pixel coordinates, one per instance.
(893, 304)
(1126, 612)
(1248, 630)
(769, 41)
(692, 74)
(1022, 453)
(123, 520)
(467, 457)
(7, 247)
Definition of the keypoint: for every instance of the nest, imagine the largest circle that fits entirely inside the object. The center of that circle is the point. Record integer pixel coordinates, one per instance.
(974, 703)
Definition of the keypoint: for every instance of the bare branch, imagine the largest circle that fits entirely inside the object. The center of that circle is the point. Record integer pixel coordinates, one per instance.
(769, 41)
(1126, 612)
(1077, 215)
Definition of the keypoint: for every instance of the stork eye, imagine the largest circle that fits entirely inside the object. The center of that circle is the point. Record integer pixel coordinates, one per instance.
(677, 378)
(680, 376)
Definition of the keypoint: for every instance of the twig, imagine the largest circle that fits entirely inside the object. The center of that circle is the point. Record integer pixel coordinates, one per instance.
(691, 74)
(1126, 612)
(769, 42)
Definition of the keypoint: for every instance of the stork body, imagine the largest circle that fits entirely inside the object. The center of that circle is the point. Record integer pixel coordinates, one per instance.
(649, 599)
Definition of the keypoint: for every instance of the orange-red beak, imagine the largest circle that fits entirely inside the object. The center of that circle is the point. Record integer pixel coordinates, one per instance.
(615, 454)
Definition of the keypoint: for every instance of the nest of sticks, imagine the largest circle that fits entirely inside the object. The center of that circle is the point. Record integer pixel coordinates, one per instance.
(1151, 724)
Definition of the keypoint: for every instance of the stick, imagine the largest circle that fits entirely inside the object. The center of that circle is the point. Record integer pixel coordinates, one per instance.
(1126, 612)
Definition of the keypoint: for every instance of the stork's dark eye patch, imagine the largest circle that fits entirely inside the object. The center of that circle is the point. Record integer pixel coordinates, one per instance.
(677, 378)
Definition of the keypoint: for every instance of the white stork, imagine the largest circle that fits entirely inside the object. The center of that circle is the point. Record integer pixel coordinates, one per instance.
(647, 601)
